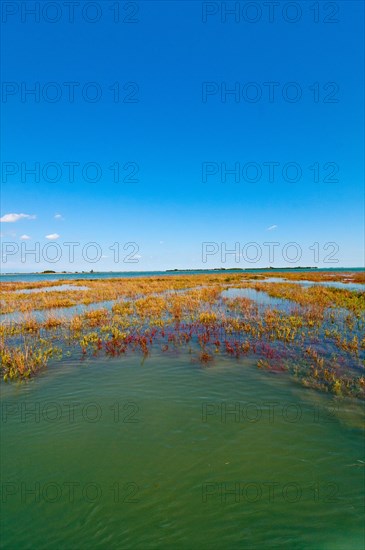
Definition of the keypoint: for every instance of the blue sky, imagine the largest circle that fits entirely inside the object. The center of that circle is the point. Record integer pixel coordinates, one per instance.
(168, 54)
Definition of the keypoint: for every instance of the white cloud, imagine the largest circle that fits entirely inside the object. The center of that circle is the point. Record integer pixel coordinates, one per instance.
(272, 227)
(53, 236)
(161, 242)
(11, 218)
(25, 237)
(58, 217)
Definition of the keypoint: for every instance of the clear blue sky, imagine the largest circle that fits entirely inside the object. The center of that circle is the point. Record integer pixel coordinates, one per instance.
(169, 52)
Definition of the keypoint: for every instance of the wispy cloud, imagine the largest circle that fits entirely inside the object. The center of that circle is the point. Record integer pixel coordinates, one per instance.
(11, 218)
(272, 228)
(53, 236)
(58, 217)
(25, 237)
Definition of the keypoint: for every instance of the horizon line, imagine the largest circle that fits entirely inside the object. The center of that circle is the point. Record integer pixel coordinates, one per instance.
(64, 272)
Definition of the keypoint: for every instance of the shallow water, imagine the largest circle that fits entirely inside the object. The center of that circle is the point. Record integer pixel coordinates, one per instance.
(41, 315)
(259, 297)
(30, 277)
(305, 283)
(60, 288)
(155, 449)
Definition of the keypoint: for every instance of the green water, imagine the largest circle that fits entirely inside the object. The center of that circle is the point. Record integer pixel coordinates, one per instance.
(156, 460)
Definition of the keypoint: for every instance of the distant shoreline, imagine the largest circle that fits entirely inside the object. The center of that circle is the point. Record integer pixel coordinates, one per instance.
(177, 271)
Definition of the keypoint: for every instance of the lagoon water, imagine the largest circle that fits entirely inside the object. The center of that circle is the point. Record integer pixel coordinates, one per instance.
(59, 288)
(332, 284)
(127, 453)
(166, 454)
(259, 297)
(31, 277)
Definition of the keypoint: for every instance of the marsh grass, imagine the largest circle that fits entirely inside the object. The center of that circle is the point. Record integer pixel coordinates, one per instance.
(318, 339)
